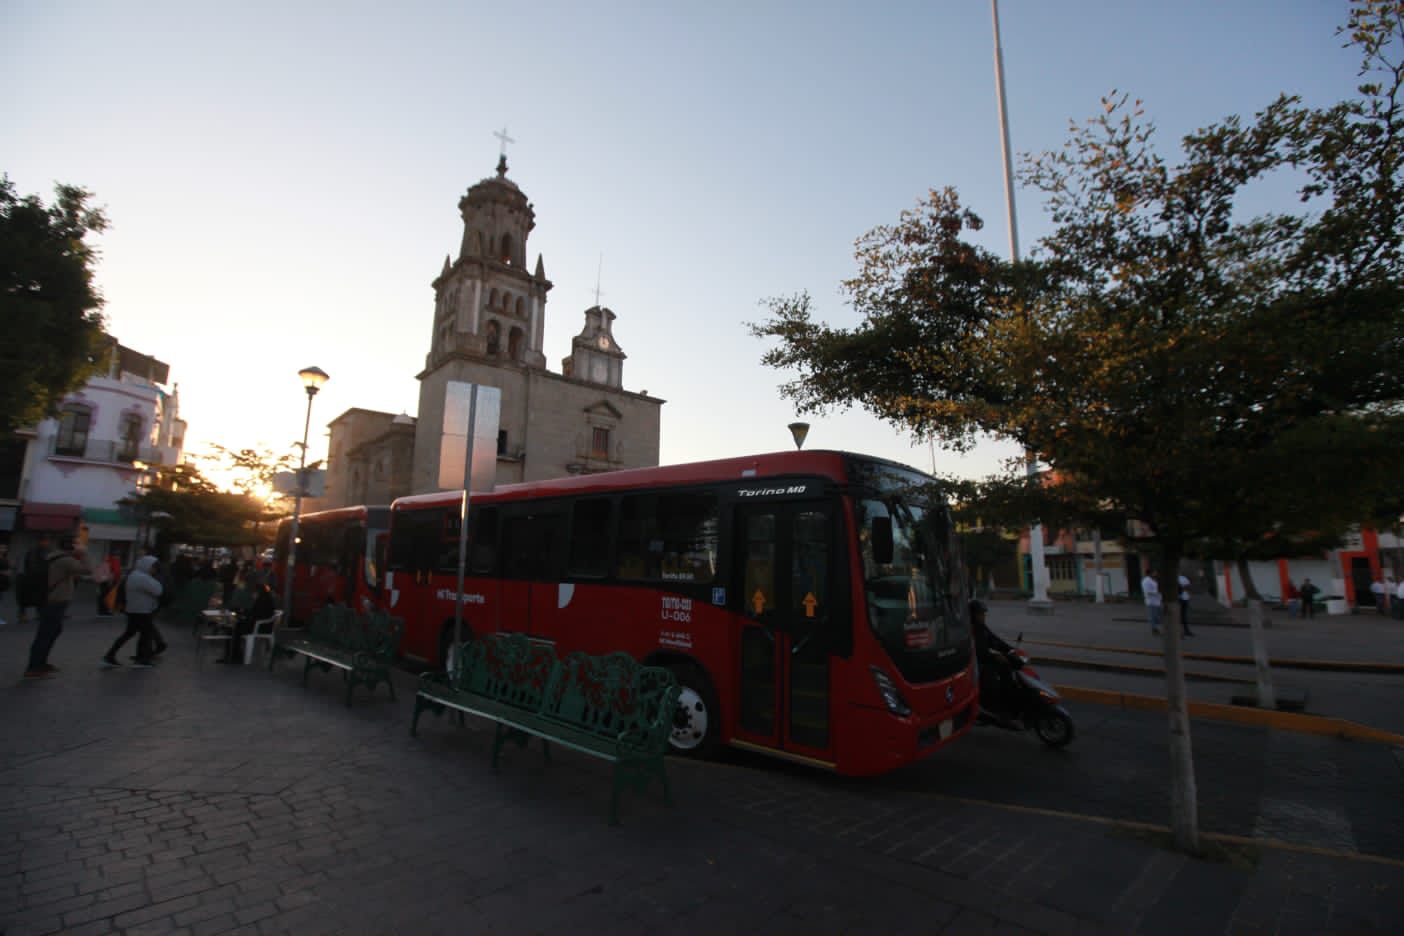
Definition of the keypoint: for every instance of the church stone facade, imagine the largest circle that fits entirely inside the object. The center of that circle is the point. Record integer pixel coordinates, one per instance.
(488, 328)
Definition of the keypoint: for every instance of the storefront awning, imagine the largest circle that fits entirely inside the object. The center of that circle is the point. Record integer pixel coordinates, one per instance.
(111, 532)
(41, 517)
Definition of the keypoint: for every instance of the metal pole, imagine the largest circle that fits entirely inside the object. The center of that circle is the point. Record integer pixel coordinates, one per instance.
(291, 564)
(463, 518)
(1036, 561)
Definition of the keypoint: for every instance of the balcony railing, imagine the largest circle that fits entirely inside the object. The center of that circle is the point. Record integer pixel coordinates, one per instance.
(106, 451)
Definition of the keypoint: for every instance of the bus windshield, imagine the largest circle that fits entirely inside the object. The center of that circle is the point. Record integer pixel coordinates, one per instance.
(915, 596)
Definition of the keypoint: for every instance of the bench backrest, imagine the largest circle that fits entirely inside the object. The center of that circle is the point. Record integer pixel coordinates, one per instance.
(380, 634)
(615, 697)
(377, 634)
(333, 625)
(508, 668)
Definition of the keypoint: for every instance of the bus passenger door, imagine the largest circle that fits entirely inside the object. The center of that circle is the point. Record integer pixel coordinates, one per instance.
(785, 552)
(532, 555)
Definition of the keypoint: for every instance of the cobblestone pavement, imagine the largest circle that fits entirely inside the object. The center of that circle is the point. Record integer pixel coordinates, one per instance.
(201, 798)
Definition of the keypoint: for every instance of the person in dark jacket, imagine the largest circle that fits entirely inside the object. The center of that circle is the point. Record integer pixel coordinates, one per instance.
(34, 577)
(261, 610)
(992, 656)
(63, 568)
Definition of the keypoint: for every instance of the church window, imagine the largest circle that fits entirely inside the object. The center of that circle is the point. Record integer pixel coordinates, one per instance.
(599, 442)
(493, 338)
(492, 300)
(514, 344)
(505, 254)
(73, 429)
(521, 307)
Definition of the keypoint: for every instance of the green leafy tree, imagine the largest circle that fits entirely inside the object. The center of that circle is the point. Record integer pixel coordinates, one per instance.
(253, 471)
(50, 308)
(253, 468)
(194, 511)
(1168, 355)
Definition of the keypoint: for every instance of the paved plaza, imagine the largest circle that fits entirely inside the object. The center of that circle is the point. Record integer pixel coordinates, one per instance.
(198, 798)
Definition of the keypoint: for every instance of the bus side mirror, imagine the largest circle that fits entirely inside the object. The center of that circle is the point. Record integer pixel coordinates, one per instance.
(882, 540)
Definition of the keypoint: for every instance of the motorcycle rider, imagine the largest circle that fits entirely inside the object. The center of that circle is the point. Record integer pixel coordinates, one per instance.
(995, 658)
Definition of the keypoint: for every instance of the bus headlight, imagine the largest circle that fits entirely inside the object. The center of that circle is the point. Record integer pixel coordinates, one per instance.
(890, 696)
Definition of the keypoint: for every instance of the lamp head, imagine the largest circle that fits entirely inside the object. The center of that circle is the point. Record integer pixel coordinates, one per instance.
(312, 379)
(799, 430)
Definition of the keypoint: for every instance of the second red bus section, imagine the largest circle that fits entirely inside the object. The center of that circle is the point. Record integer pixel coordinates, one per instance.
(336, 558)
(811, 604)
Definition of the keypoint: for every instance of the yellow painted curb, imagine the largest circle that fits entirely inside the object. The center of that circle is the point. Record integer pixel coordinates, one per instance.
(1284, 721)
(1136, 670)
(1345, 666)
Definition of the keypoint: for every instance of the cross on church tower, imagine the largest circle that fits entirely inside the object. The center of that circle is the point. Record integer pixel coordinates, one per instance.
(502, 155)
(598, 270)
(502, 135)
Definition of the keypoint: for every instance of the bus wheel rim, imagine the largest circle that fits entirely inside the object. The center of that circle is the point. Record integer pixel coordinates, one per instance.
(690, 723)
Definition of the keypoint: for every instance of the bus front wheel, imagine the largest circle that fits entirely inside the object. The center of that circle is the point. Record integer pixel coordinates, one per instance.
(696, 724)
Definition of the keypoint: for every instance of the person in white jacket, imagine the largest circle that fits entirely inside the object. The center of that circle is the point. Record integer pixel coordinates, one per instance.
(141, 593)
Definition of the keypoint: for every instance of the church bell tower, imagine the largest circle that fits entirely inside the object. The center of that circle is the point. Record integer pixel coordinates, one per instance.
(487, 305)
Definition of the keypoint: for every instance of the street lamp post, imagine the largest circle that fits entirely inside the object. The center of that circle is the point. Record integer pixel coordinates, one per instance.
(312, 380)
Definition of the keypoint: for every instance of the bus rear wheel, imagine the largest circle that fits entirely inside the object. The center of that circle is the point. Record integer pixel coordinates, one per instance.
(697, 722)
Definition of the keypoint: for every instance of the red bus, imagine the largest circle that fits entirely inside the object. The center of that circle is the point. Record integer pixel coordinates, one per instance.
(336, 558)
(811, 604)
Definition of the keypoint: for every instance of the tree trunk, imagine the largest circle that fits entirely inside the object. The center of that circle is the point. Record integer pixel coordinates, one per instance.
(1184, 797)
(1267, 697)
(1250, 592)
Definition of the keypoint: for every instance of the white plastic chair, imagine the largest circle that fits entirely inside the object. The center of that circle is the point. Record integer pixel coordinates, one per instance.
(260, 633)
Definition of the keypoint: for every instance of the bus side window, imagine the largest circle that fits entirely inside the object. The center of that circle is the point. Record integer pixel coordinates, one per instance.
(635, 529)
(446, 558)
(532, 547)
(482, 539)
(589, 539)
(669, 537)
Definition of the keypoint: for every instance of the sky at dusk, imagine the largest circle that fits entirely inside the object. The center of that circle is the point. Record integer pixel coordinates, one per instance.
(282, 178)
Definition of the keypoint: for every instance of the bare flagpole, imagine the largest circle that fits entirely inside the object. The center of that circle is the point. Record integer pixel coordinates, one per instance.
(1039, 573)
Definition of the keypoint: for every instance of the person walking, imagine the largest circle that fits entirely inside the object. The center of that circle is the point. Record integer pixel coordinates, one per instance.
(65, 568)
(107, 574)
(1184, 607)
(141, 594)
(1151, 590)
(1379, 595)
(1309, 593)
(34, 577)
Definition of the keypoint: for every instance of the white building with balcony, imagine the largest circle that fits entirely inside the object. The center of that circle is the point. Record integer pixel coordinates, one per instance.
(80, 466)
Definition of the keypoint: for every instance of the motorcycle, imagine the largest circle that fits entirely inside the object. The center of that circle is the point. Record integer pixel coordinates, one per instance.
(1025, 701)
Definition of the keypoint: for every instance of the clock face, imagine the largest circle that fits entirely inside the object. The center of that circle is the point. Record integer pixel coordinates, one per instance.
(603, 342)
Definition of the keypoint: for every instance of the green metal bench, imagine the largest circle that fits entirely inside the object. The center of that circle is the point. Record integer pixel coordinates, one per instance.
(609, 707)
(363, 646)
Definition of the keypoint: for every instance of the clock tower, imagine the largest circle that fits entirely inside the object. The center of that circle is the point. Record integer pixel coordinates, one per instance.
(595, 357)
